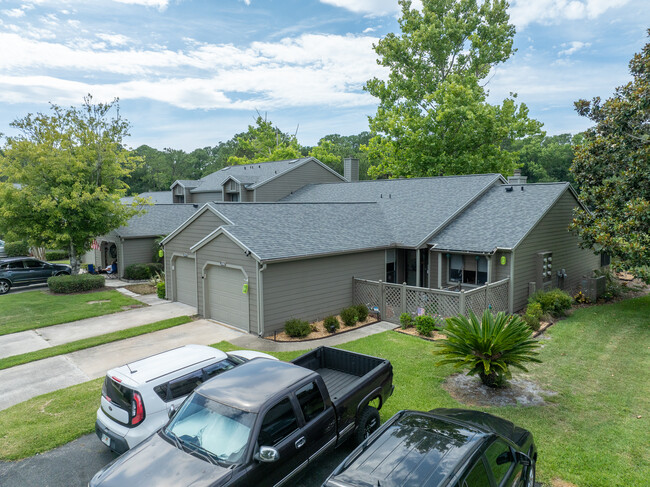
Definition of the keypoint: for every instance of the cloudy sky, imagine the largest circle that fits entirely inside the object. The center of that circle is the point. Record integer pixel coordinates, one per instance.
(191, 73)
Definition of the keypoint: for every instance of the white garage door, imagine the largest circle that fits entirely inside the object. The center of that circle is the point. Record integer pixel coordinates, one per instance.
(185, 280)
(226, 301)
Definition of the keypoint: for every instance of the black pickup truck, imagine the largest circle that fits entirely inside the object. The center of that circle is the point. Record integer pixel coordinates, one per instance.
(260, 423)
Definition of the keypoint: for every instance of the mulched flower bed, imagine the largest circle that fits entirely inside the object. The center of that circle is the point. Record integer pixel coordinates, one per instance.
(319, 331)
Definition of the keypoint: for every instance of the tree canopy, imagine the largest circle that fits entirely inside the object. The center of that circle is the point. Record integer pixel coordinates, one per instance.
(265, 142)
(612, 171)
(433, 117)
(63, 177)
(546, 158)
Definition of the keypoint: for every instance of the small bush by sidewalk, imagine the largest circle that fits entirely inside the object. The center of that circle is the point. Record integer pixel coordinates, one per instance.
(138, 272)
(75, 284)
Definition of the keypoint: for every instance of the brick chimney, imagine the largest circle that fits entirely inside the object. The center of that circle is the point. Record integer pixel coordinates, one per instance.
(517, 178)
(351, 169)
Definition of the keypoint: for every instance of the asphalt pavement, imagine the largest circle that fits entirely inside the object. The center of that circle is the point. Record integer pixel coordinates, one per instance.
(74, 464)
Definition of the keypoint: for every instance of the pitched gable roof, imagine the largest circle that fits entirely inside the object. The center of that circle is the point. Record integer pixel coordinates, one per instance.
(250, 175)
(158, 220)
(413, 209)
(500, 219)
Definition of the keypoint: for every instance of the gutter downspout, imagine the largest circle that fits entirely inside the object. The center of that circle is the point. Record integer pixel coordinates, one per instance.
(260, 300)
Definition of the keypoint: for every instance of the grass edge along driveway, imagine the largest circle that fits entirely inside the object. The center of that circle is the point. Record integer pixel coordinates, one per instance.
(90, 342)
(38, 309)
(589, 434)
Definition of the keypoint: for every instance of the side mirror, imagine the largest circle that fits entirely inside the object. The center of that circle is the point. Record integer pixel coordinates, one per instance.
(171, 411)
(267, 454)
(524, 459)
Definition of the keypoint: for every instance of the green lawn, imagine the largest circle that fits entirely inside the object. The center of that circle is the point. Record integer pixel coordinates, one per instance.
(589, 434)
(37, 309)
(69, 347)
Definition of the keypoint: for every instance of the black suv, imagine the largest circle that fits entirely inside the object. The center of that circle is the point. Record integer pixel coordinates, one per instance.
(444, 447)
(22, 271)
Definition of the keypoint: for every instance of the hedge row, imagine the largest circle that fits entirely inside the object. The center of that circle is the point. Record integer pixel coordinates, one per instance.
(138, 272)
(56, 255)
(75, 284)
(16, 249)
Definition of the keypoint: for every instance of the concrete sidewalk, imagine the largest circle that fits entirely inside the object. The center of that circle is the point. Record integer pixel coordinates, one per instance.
(31, 340)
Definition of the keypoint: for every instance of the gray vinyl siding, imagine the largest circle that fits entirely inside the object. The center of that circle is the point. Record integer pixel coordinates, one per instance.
(551, 234)
(248, 195)
(499, 271)
(308, 173)
(312, 289)
(190, 235)
(137, 251)
(201, 198)
(223, 250)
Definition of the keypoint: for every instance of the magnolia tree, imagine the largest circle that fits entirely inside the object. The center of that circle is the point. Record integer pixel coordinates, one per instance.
(63, 177)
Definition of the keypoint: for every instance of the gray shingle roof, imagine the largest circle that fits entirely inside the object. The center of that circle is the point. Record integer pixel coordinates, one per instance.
(157, 197)
(251, 175)
(499, 219)
(284, 230)
(158, 220)
(412, 208)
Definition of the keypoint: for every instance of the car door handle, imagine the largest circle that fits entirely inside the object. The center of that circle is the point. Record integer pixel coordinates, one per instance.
(300, 442)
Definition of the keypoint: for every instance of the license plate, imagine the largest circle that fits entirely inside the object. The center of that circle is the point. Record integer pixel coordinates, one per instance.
(106, 440)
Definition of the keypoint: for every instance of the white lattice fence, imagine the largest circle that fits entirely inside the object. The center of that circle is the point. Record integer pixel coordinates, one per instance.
(497, 295)
(368, 293)
(392, 303)
(475, 301)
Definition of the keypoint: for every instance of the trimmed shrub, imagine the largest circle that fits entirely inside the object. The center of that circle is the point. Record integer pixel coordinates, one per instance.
(532, 316)
(16, 249)
(297, 328)
(362, 312)
(425, 325)
(160, 290)
(349, 316)
(331, 324)
(554, 302)
(56, 254)
(75, 284)
(405, 320)
(139, 272)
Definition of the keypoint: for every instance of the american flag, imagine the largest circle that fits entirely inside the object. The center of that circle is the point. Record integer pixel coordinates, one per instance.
(94, 245)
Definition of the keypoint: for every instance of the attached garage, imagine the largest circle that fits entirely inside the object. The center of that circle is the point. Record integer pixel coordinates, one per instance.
(184, 278)
(226, 295)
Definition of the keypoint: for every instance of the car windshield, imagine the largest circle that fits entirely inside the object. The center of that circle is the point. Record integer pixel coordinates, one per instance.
(214, 428)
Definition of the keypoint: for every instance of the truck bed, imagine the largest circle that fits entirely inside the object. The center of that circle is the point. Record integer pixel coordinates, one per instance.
(342, 371)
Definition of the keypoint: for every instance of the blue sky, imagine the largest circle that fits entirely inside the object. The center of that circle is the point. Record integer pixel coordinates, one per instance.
(191, 73)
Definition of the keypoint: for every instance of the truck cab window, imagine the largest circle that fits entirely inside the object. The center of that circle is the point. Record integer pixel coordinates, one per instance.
(280, 421)
(311, 401)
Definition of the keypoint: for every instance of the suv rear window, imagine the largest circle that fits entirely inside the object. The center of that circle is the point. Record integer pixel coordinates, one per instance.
(182, 386)
(119, 394)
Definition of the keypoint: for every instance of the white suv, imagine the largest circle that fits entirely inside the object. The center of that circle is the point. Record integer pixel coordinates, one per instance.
(137, 397)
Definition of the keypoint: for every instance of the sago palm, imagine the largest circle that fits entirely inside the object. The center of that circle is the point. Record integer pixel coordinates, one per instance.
(489, 346)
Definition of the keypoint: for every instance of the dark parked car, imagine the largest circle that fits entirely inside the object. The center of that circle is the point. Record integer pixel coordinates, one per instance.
(444, 447)
(22, 271)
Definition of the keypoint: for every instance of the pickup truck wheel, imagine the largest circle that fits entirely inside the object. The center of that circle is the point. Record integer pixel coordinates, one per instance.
(368, 423)
(5, 286)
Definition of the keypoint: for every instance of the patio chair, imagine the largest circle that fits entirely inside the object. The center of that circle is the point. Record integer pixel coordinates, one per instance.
(91, 269)
(113, 272)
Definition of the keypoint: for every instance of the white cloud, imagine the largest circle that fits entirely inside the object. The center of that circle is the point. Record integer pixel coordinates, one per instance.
(114, 39)
(572, 47)
(524, 12)
(372, 7)
(368, 30)
(159, 4)
(14, 12)
(311, 70)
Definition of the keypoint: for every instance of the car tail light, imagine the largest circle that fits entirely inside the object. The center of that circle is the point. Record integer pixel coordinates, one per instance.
(137, 409)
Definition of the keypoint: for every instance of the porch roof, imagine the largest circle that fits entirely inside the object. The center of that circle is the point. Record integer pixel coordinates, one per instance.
(500, 219)
(158, 220)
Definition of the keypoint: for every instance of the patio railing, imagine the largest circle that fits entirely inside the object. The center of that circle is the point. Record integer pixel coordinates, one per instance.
(391, 300)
